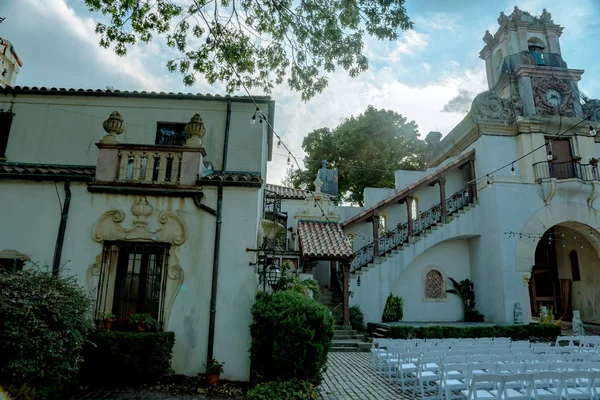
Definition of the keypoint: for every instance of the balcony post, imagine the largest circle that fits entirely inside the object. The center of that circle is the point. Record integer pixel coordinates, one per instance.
(107, 165)
(473, 178)
(346, 292)
(409, 201)
(375, 234)
(442, 184)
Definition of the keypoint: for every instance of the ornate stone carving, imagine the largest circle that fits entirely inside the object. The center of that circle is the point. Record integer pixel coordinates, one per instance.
(172, 229)
(434, 285)
(577, 324)
(488, 38)
(591, 109)
(546, 18)
(113, 126)
(195, 130)
(525, 279)
(519, 318)
(488, 106)
(515, 98)
(517, 14)
(543, 312)
(541, 86)
(527, 58)
(502, 19)
(318, 184)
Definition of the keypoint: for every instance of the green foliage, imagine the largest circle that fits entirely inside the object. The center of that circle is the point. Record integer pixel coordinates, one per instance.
(127, 356)
(515, 332)
(393, 310)
(291, 336)
(291, 281)
(145, 320)
(255, 43)
(365, 150)
(464, 290)
(44, 320)
(293, 389)
(357, 318)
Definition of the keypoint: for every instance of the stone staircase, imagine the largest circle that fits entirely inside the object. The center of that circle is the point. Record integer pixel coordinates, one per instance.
(345, 339)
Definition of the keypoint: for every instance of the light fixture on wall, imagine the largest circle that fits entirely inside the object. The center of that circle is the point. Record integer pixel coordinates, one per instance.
(273, 274)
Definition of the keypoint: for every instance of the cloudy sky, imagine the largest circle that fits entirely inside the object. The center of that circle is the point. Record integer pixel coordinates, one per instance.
(430, 75)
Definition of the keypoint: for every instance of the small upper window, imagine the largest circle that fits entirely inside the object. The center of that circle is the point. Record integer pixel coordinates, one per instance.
(170, 133)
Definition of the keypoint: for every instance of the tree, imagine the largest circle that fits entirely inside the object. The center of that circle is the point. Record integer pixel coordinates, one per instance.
(255, 43)
(366, 150)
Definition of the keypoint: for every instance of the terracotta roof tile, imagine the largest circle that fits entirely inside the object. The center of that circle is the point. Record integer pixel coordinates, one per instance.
(286, 192)
(323, 240)
(44, 171)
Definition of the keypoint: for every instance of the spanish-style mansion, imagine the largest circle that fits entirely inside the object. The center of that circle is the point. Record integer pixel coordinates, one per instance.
(158, 203)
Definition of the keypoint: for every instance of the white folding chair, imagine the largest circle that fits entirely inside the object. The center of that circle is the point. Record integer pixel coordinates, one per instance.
(590, 366)
(453, 352)
(455, 360)
(511, 369)
(547, 385)
(406, 369)
(479, 358)
(519, 344)
(494, 381)
(505, 358)
(454, 380)
(538, 367)
(428, 376)
(573, 388)
(565, 366)
(500, 351)
(516, 387)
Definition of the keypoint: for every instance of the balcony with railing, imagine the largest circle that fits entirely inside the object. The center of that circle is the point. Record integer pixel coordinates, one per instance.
(565, 170)
(274, 221)
(129, 168)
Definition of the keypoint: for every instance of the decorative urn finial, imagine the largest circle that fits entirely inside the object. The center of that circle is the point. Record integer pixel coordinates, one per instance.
(318, 184)
(488, 38)
(546, 17)
(113, 126)
(142, 210)
(516, 14)
(502, 19)
(195, 130)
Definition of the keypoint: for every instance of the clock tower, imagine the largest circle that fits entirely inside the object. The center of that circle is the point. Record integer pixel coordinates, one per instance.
(524, 64)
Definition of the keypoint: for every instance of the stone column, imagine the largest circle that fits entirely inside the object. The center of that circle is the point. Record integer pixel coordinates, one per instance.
(332, 274)
(442, 184)
(375, 234)
(346, 292)
(474, 183)
(409, 201)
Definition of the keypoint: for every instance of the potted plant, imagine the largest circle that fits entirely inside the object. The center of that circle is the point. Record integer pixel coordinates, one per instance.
(213, 371)
(142, 322)
(576, 158)
(594, 161)
(109, 320)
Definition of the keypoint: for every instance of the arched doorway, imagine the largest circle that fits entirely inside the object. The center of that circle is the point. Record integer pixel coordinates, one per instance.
(566, 273)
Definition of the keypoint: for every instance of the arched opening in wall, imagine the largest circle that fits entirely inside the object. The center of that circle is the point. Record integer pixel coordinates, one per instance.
(498, 60)
(566, 273)
(536, 49)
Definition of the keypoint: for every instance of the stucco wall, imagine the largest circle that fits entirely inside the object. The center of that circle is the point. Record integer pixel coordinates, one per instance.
(34, 233)
(451, 258)
(72, 125)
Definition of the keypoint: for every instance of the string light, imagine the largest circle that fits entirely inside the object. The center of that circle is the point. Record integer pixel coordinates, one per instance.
(488, 180)
(512, 170)
(288, 160)
(279, 143)
(592, 131)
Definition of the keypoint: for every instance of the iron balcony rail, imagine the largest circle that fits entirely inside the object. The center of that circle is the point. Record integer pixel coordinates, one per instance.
(399, 236)
(565, 170)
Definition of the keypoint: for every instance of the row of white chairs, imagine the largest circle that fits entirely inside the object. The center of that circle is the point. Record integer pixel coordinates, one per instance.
(501, 341)
(444, 380)
(592, 342)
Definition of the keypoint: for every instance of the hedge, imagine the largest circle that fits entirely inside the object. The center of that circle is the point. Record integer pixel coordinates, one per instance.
(293, 389)
(515, 332)
(127, 356)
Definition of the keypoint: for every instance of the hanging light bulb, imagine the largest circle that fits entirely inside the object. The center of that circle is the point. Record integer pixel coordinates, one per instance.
(574, 236)
(466, 194)
(288, 160)
(564, 244)
(512, 169)
(279, 143)
(581, 245)
(488, 181)
(550, 155)
(562, 235)
(593, 131)
(253, 119)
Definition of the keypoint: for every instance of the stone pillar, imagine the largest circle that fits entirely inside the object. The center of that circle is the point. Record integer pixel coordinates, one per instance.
(474, 183)
(442, 184)
(346, 292)
(332, 273)
(409, 201)
(375, 234)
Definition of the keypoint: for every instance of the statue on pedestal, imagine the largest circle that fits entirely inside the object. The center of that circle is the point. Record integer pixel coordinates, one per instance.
(577, 324)
(519, 318)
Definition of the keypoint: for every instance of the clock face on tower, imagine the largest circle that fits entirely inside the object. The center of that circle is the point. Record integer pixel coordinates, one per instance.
(553, 97)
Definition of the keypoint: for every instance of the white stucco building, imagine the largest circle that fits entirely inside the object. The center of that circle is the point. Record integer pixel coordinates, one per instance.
(509, 199)
(152, 207)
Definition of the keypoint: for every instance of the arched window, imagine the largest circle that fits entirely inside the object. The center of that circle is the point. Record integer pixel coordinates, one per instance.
(435, 288)
(574, 266)
(414, 209)
(536, 47)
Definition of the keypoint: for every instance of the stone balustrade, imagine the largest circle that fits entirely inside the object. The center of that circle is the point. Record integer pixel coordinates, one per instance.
(149, 167)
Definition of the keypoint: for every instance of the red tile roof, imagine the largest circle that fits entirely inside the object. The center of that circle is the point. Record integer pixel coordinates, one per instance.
(323, 240)
(46, 171)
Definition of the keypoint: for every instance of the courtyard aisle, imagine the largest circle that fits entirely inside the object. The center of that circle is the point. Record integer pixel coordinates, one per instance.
(350, 376)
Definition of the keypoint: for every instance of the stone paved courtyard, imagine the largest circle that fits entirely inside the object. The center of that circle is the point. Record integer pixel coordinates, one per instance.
(350, 377)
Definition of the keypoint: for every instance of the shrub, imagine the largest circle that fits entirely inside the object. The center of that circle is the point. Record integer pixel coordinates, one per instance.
(464, 290)
(515, 332)
(357, 318)
(44, 320)
(127, 356)
(393, 310)
(291, 390)
(290, 281)
(291, 336)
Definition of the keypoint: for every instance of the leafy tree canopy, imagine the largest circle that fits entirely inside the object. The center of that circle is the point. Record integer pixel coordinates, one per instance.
(366, 150)
(257, 43)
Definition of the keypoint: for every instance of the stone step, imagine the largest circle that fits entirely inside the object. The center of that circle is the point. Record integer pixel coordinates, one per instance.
(343, 332)
(335, 349)
(349, 337)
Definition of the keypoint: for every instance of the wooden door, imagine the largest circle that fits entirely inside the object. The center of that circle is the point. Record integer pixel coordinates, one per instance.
(561, 167)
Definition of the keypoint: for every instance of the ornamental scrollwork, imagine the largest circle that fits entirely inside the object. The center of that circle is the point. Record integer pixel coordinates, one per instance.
(489, 106)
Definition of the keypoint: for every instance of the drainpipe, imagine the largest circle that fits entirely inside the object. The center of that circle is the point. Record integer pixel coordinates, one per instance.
(215, 277)
(226, 144)
(60, 237)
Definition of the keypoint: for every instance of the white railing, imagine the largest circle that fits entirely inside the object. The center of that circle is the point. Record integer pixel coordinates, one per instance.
(149, 167)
